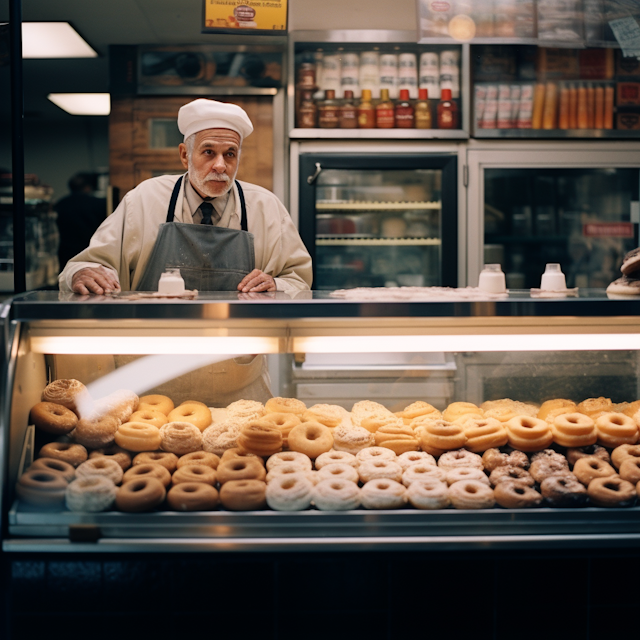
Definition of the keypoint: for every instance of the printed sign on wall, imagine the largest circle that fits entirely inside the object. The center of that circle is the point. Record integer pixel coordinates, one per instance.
(245, 16)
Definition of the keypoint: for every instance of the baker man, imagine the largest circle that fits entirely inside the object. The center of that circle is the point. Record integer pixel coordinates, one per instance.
(223, 235)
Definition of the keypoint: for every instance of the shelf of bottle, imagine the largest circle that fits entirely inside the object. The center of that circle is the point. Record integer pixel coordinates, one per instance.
(350, 241)
(524, 239)
(379, 134)
(358, 205)
(605, 134)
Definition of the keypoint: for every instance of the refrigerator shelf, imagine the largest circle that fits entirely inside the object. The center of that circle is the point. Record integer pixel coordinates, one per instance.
(361, 205)
(338, 241)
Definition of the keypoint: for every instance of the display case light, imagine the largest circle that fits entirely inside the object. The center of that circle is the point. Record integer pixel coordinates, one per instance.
(83, 104)
(54, 40)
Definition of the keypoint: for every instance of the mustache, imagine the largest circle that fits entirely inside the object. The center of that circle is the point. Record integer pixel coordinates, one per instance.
(218, 177)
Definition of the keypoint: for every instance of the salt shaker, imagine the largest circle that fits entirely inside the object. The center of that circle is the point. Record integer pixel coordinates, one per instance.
(492, 279)
(553, 279)
(171, 282)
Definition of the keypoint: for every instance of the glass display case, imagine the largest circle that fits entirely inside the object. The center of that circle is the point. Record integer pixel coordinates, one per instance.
(588, 346)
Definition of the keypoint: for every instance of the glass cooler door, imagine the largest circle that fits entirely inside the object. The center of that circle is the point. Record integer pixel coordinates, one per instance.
(379, 221)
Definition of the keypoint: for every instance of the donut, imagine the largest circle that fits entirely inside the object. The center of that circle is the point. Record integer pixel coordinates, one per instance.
(338, 470)
(310, 438)
(548, 454)
(399, 439)
(234, 454)
(615, 429)
(101, 466)
(611, 491)
(422, 471)
(575, 453)
(631, 408)
(493, 458)
(138, 436)
(122, 457)
(284, 422)
(219, 437)
(438, 436)
(457, 409)
(419, 409)
(240, 469)
(367, 408)
(405, 460)
(96, 432)
(542, 468)
(484, 433)
(53, 418)
(459, 458)
(376, 421)
(142, 494)
(156, 402)
(150, 416)
(285, 405)
(515, 495)
(590, 467)
(380, 468)
(243, 495)
(74, 454)
(168, 460)
(199, 457)
(564, 491)
(120, 404)
(574, 430)
(630, 262)
(529, 434)
(351, 439)
(293, 469)
(290, 457)
(550, 409)
(622, 452)
(507, 409)
(595, 407)
(192, 413)
(194, 473)
(376, 453)
(629, 470)
(192, 496)
(246, 409)
(508, 473)
(56, 466)
(148, 470)
(466, 473)
(67, 392)
(91, 493)
(428, 494)
(42, 488)
(336, 494)
(290, 493)
(382, 493)
(471, 494)
(180, 438)
(331, 457)
(260, 438)
(330, 415)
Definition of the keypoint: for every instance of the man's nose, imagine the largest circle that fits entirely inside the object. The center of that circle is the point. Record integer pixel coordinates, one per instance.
(218, 164)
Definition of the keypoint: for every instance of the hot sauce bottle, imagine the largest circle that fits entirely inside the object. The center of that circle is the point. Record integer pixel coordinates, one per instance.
(307, 115)
(348, 113)
(385, 113)
(404, 112)
(328, 111)
(423, 110)
(366, 111)
(447, 111)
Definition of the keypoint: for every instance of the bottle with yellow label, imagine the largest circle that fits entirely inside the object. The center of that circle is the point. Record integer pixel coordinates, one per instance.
(366, 111)
(422, 112)
(385, 112)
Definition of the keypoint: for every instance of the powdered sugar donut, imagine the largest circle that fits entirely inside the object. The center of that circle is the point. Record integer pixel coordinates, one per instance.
(379, 468)
(460, 458)
(121, 404)
(222, 436)
(246, 409)
(375, 453)
(180, 438)
(331, 457)
(102, 466)
(352, 440)
(338, 470)
(428, 494)
(422, 471)
(406, 459)
(336, 494)
(466, 473)
(293, 458)
(383, 494)
(289, 470)
(292, 492)
(91, 493)
(96, 432)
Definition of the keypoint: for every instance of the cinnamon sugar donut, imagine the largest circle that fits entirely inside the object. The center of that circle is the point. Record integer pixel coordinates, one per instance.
(260, 438)
(194, 473)
(222, 436)
(611, 491)
(290, 493)
(428, 494)
(148, 470)
(142, 494)
(595, 407)
(290, 457)
(336, 494)
(438, 436)
(422, 471)
(116, 453)
(405, 460)
(285, 405)
(373, 469)
(590, 467)
(243, 495)
(310, 438)
(284, 422)
(399, 439)
(91, 494)
(550, 409)
(383, 494)
(192, 496)
(564, 491)
(194, 413)
(624, 451)
(96, 432)
(574, 430)
(338, 470)
(138, 436)
(375, 453)
(74, 454)
(529, 434)
(240, 469)
(56, 466)
(508, 473)
(484, 433)
(156, 402)
(466, 473)
(101, 466)
(67, 392)
(471, 494)
(458, 409)
(168, 460)
(352, 439)
(515, 495)
(331, 457)
(330, 415)
(630, 470)
(199, 457)
(53, 418)
(44, 489)
(180, 438)
(459, 458)
(150, 416)
(575, 453)
(615, 429)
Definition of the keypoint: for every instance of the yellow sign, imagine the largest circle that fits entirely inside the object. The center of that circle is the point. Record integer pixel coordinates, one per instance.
(247, 16)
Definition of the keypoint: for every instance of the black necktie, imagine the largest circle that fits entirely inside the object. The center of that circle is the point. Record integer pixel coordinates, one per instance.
(207, 209)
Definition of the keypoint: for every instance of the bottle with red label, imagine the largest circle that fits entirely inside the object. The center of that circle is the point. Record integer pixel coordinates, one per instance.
(385, 112)
(404, 113)
(447, 111)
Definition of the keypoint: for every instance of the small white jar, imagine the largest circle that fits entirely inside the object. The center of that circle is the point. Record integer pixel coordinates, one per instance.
(553, 279)
(492, 279)
(171, 282)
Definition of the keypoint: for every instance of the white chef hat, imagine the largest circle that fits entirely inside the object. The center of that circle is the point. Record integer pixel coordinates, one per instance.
(204, 114)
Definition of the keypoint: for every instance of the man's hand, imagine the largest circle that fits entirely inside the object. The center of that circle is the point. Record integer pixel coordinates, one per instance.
(94, 280)
(257, 281)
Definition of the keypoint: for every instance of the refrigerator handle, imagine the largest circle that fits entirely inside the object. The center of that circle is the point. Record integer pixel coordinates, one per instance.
(312, 179)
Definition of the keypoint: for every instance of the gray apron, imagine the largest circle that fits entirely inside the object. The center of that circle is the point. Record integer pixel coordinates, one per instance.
(210, 258)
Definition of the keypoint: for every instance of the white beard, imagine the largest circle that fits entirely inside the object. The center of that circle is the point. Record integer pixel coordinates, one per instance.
(204, 183)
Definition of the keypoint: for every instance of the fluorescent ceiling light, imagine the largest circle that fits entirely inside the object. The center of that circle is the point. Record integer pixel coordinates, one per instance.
(53, 40)
(82, 104)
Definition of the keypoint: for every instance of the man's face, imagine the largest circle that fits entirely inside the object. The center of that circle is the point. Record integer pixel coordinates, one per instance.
(213, 162)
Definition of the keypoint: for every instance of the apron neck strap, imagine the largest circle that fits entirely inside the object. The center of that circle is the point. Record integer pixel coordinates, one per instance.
(174, 199)
(243, 208)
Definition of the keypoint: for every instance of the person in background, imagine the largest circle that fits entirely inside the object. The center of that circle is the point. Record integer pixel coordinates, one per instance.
(79, 215)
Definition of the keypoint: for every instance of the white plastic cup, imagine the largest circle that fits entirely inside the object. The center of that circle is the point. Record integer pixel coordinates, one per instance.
(171, 282)
(553, 279)
(492, 279)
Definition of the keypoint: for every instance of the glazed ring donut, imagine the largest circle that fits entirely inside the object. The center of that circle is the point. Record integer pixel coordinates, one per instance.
(438, 436)
(194, 473)
(55, 466)
(338, 470)
(422, 471)
(380, 468)
(284, 422)
(611, 492)
(240, 469)
(101, 466)
(235, 453)
(382, 493)
(150, 416)
(116, 453)
(458, 409)
(53, 418)
(483, 434)
(199, 457)
(629, 470)
(293, 469)
(564, 491)
(180, 438)
(336, 494)
(311, 438)
(529, 434)
(515, 495)
(399, 439)
(168, 460)
(92, 493)
(405, 460)
(590, 467)
(262, 439)
(243, 495)
(621, 453)
(550, 409)
(192, 496)
(595, 407)
(74, 454)
(378, 453)
(294, 458)
(459, 458)
(138, 436)
(148, 470)
(574, 430)
(330, 415)
(42, 488)
(290, 493)
(509, 473)
(156, 402)
(428, 494)
(194, 413)
(471, 494)
(96, 432)
(66, 392)
(466, 473)
(141, 494)
(350, 439)
(575, 453)
(542, 468)
(331, 457)
(615, 429)
(285, 405)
